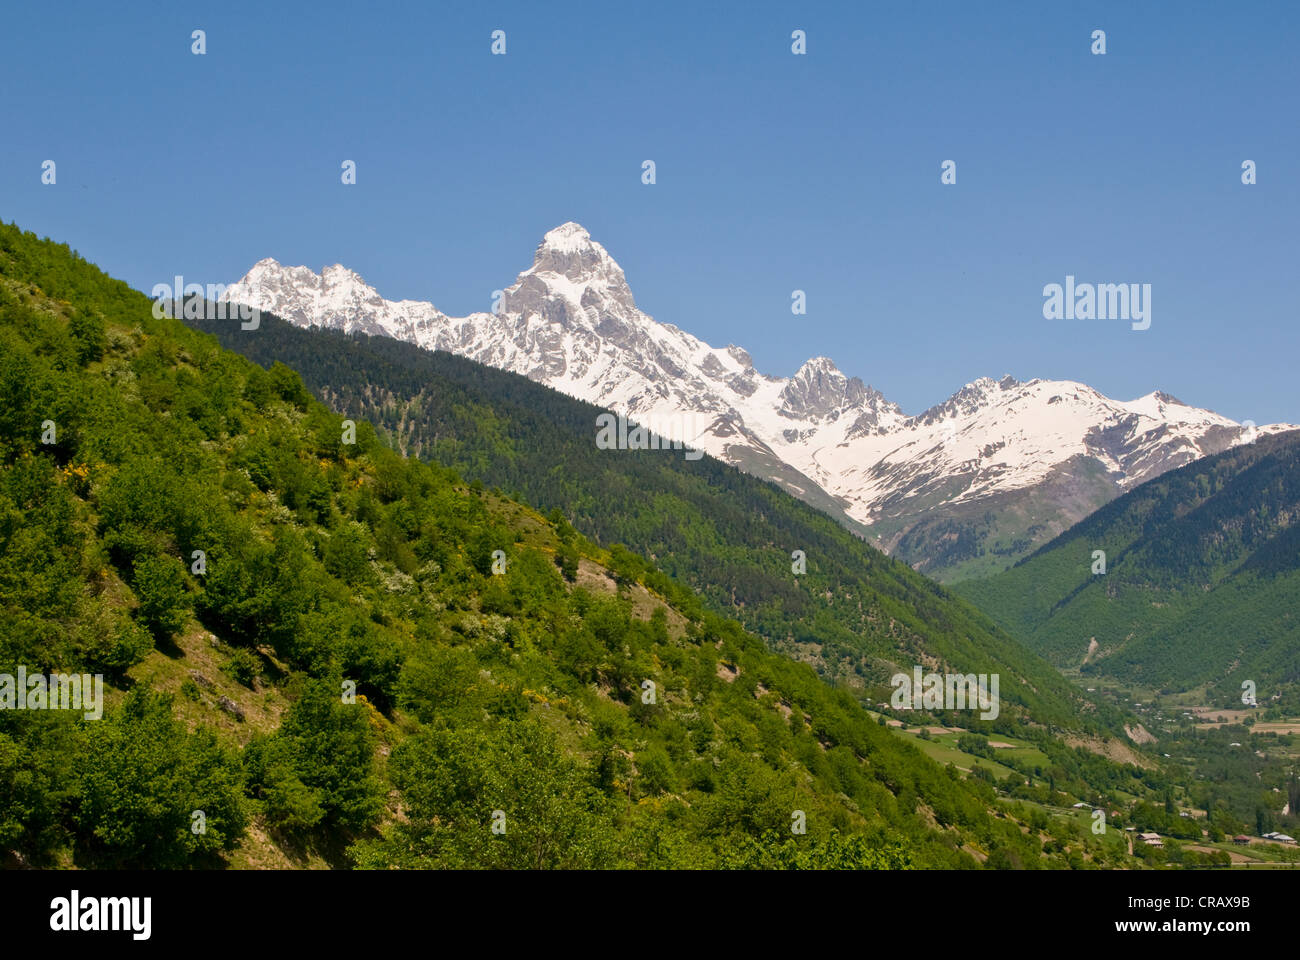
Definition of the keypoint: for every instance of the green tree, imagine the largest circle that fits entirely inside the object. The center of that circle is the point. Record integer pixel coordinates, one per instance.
(87, 332)
(458, 784)
(321, 759)
(164, 603)
(143, 778)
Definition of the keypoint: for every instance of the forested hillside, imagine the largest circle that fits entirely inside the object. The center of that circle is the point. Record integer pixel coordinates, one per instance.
(1201, 577)
(855, 614)
(320, 652)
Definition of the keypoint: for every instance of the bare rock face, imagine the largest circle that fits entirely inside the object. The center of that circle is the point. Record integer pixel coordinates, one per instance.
(819, 391)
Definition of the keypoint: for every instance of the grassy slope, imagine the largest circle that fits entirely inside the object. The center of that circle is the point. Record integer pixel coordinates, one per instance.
(856, 615)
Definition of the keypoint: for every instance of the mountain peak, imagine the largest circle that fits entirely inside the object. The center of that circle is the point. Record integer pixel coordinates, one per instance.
(337, 273)
(969, 399)
(572, 276)
(569, 251)
(818, 366)
(818, 389)
(568, 238)
(978, 390)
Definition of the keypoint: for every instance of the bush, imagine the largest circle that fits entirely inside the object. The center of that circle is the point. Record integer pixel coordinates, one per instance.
(87, 331)
(345, 554)
(242, 666)
(143, 776)
(160, 586)
(318, 767)
(120, 649)
(566, 558)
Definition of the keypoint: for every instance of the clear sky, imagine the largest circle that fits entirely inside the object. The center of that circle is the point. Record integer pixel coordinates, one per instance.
(775, 172)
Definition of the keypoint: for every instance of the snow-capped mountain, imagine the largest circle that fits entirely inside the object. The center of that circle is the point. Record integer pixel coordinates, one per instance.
(976, 481)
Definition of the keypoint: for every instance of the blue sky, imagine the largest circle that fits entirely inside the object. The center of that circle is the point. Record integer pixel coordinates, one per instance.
(775, 172)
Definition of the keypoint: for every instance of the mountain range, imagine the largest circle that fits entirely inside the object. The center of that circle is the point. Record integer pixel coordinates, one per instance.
(964, 488)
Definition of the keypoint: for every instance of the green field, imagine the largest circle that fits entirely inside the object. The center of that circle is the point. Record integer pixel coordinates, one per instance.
(943, 748)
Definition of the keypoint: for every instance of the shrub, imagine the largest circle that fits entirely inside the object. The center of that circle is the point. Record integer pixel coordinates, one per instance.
(242, 666)
(160, 586)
